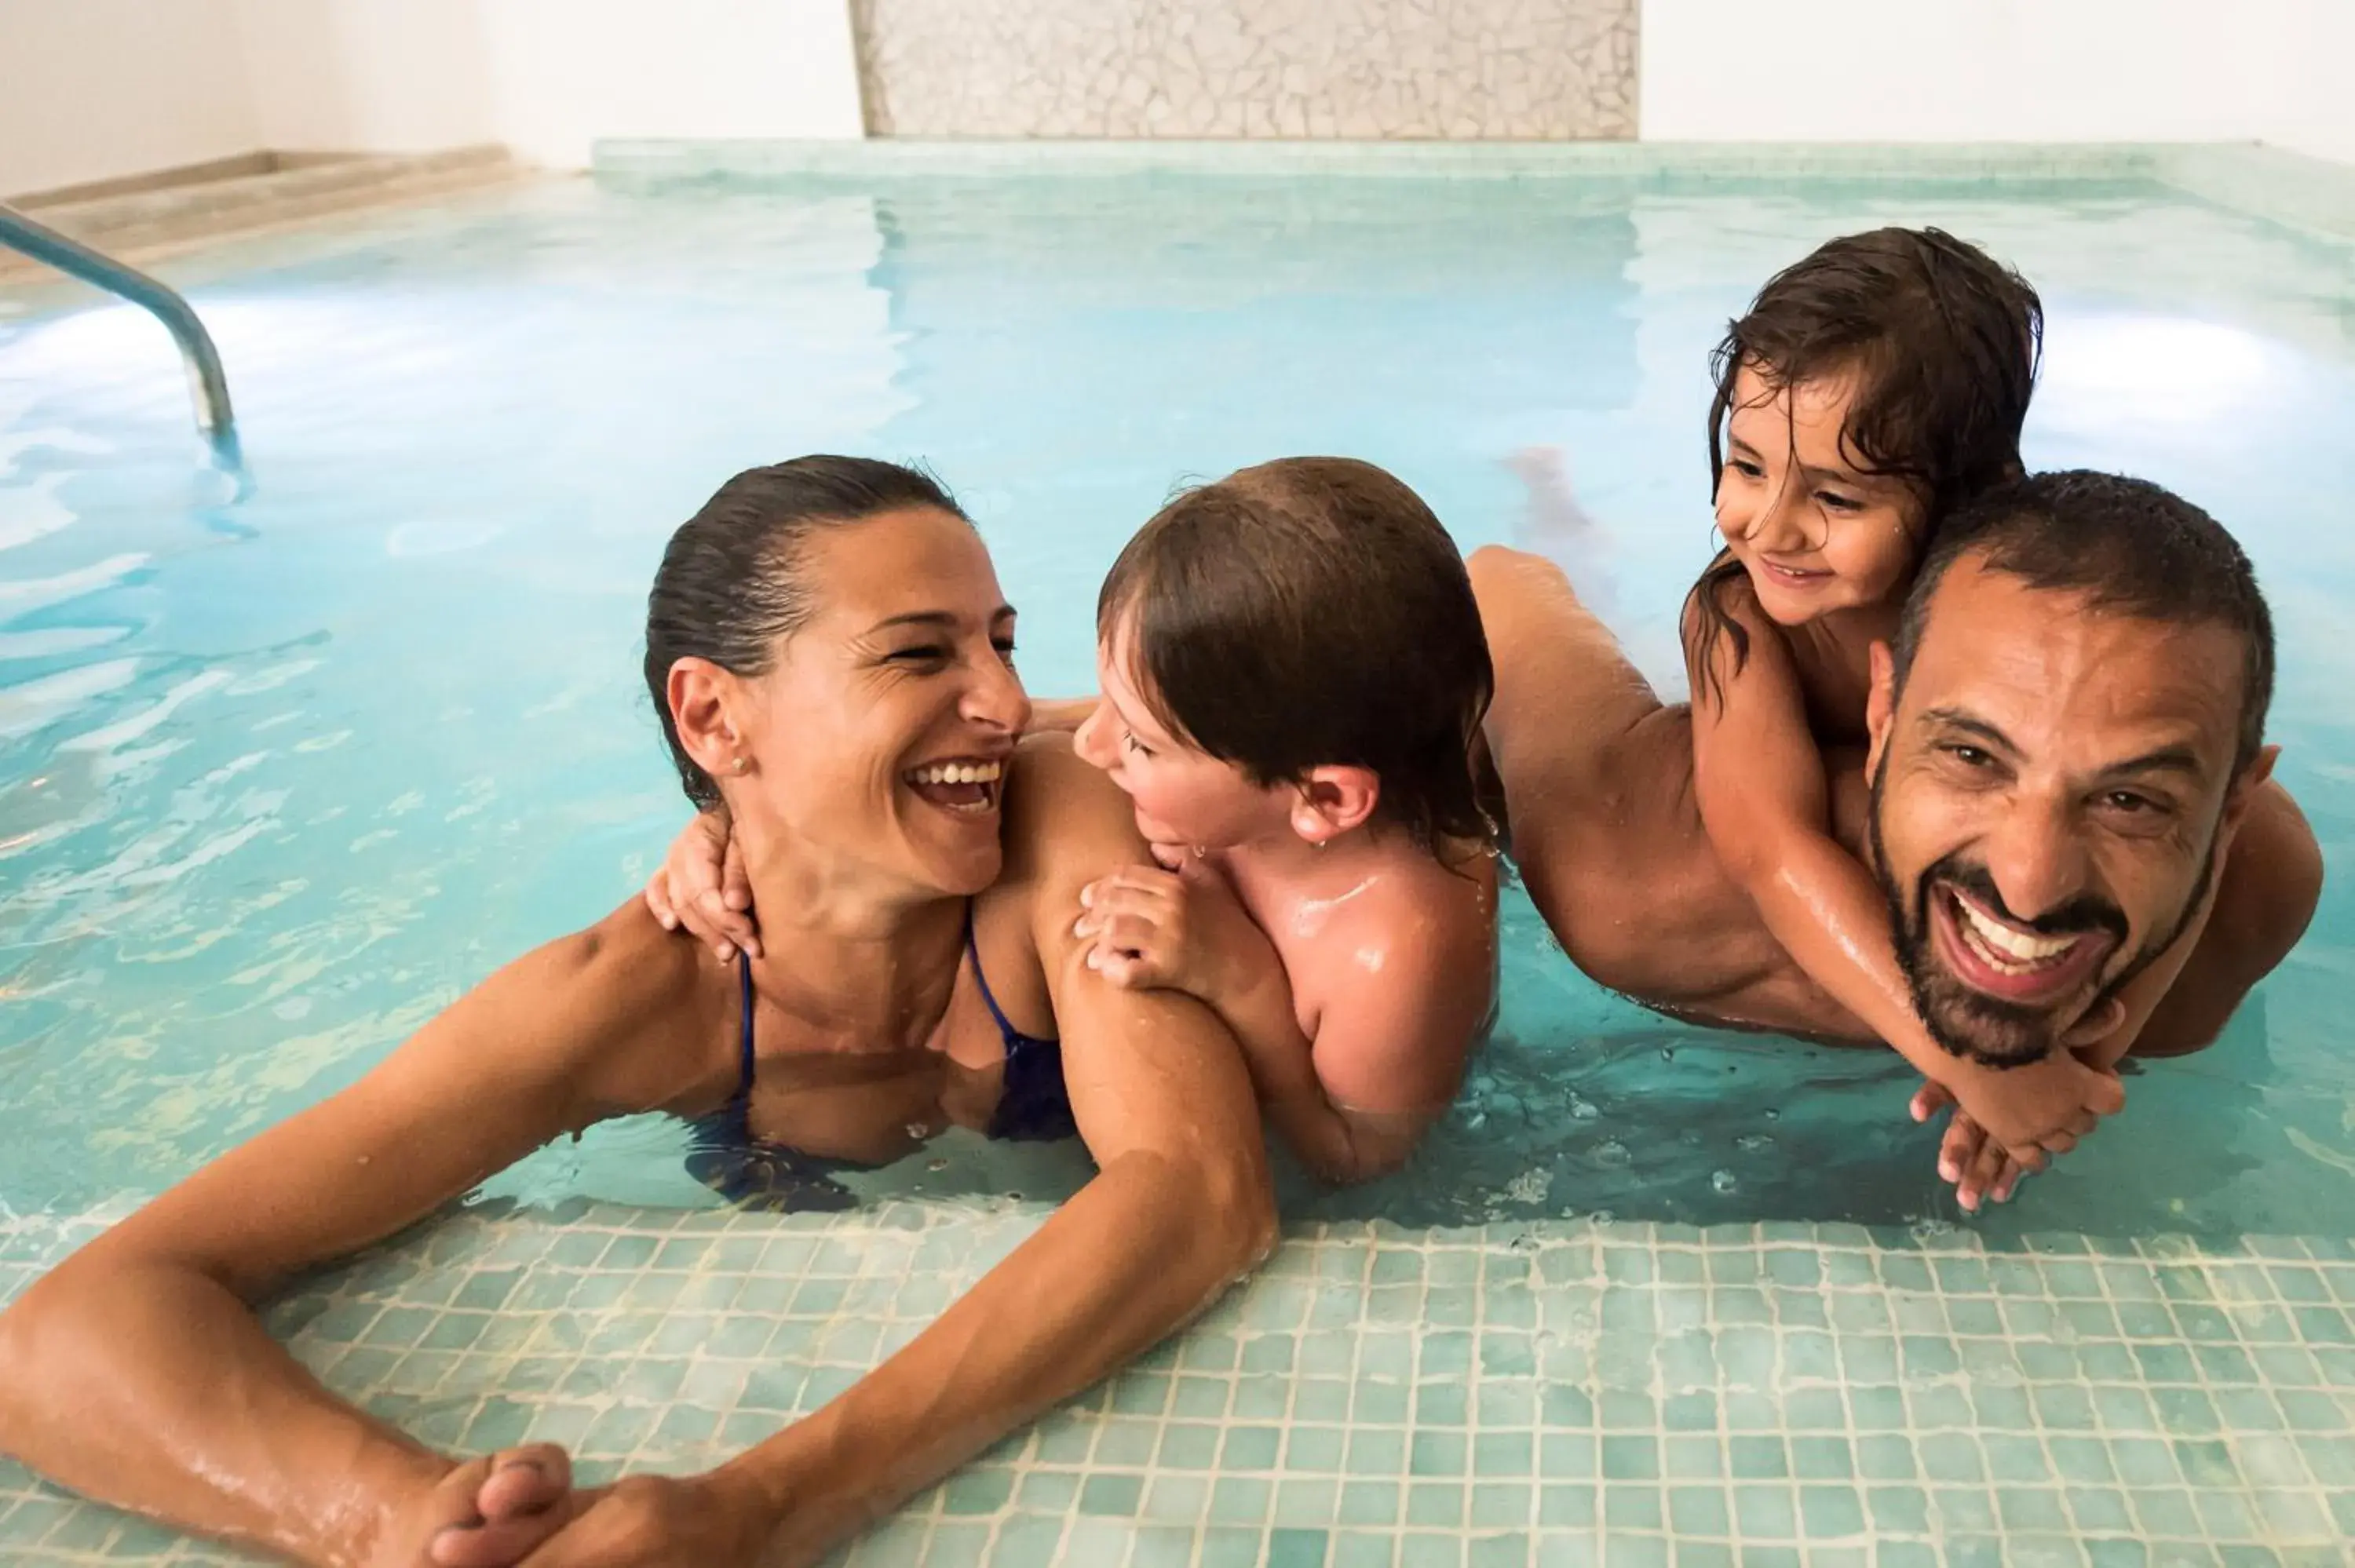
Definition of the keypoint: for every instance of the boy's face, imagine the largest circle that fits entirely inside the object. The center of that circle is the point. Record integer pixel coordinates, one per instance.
(1182, 796)
(1814, 533)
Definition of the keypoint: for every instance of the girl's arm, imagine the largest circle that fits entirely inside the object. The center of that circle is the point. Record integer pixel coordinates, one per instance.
(1759, 778)
(137, 1372)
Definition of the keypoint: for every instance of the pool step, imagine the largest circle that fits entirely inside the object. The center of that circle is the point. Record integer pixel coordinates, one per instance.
(157, 215)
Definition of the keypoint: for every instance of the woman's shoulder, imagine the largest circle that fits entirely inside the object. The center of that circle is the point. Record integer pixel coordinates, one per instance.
(601, 998)
(1063, 812)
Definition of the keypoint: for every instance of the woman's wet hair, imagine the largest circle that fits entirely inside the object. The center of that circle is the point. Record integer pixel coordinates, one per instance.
(1944, 342)
(1312, 613)
(731, 587)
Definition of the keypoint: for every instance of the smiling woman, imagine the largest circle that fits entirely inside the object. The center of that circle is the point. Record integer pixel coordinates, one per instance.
(831, 652)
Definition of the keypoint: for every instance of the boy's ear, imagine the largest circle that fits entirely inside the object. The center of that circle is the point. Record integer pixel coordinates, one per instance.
(1333, 799)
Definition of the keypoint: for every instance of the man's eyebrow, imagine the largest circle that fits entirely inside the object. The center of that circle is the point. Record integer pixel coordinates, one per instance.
(2176, 758)
(1956, 719)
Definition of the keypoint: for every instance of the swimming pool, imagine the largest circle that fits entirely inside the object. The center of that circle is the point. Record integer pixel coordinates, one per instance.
(280, 774)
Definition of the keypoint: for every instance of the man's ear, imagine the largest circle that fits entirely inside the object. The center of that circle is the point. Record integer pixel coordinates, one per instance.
(2246, 784)
(1880, 706)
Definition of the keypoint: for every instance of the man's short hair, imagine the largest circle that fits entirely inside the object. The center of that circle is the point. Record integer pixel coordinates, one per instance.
(2131, 547)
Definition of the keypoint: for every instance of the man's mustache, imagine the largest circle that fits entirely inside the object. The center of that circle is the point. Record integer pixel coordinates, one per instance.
(2085, 912)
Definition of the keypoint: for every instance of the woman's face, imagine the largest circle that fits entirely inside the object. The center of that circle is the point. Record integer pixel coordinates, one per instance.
(880, 738)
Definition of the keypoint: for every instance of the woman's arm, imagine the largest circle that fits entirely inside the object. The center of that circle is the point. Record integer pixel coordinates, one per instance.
(1179, 1209)
(1759, 780)
(137, 1372)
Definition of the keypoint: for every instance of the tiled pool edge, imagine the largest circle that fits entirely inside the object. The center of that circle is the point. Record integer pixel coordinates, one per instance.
(1554, 1393)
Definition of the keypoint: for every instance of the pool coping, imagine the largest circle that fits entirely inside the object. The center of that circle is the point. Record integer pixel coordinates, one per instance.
(2308, 193)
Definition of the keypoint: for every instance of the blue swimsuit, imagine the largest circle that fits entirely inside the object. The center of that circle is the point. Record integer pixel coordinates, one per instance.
(723, 1154)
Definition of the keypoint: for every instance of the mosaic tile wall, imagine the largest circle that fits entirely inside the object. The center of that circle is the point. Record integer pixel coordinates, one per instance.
(1362, 69)
(1571, 1393)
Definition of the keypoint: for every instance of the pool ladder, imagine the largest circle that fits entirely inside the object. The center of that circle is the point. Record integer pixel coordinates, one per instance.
(74, 258)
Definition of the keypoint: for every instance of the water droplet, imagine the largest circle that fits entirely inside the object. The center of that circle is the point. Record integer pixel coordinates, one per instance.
(936, 1165)
(918, 1132)
(1013, 1197)
(1773, 1115)
(1752, 1142)
(1584, 1110)
(1668, 1052)
(1723, 1180)
(1611, 1152)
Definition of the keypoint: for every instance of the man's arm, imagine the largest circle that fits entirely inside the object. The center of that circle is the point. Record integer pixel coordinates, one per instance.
(136, 1371)
(1179, 1209)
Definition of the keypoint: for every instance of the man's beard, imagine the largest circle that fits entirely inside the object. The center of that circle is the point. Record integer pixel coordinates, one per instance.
(1966, 1022)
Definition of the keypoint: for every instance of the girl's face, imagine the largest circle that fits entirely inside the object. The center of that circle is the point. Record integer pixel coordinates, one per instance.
(1815, 535)
(1182, 796)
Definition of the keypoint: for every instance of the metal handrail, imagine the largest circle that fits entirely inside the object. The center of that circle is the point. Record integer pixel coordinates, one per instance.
(71, 257)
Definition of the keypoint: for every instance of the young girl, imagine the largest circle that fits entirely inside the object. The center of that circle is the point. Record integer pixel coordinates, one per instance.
(1293, 676)
(1870, 388)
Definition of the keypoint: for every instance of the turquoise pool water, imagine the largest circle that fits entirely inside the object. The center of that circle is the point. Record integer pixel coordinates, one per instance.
(280, 774)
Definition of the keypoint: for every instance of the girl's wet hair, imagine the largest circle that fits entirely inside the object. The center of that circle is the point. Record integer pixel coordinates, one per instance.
(1943, 342)
(1312, 613)
(731, 587)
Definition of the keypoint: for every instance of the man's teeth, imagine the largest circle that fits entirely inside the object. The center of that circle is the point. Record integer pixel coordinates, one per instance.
(956, 773)
(2005, 949)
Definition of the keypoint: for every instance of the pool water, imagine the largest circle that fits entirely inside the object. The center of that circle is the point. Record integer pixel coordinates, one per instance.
(284, 766)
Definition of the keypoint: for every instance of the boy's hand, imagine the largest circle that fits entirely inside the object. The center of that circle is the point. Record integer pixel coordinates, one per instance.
(1173, 930)
(702, 886)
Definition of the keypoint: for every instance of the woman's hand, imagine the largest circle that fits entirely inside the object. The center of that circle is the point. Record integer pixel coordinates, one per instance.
(491, 1512)
(702, 886)
(661, 1522)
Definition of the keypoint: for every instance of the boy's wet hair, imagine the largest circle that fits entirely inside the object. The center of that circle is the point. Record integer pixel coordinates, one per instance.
(1943, 342)
(1311, 612)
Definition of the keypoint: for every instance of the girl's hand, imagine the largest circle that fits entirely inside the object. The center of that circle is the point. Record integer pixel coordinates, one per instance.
(1169, 930)
(2040, 1109)
(702, 886)
(1975, 1164)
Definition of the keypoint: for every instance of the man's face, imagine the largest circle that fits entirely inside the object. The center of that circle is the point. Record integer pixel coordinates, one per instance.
(2047, 793)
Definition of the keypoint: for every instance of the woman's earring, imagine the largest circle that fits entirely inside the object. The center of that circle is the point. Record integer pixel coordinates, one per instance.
(740, 763)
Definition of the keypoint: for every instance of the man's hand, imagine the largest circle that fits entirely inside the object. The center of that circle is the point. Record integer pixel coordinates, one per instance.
(702, 886)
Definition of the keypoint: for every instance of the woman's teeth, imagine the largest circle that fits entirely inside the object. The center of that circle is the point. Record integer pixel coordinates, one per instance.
(2000, 946)
(956, 773)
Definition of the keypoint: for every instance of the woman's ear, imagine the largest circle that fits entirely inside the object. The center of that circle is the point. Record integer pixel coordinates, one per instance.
(702, 698)
(1333, 799)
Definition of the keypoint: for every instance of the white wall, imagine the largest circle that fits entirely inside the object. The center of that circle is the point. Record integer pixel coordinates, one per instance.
(1996, 71)
(548, 77)
(93, 88)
